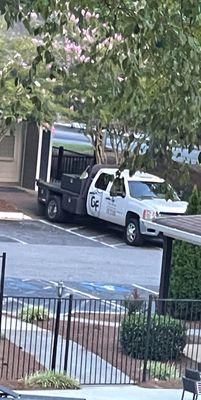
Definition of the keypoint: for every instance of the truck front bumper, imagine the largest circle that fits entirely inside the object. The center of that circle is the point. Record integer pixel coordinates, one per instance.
(145, 230)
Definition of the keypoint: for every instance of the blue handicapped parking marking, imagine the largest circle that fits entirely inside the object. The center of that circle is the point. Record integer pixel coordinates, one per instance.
(106, 288)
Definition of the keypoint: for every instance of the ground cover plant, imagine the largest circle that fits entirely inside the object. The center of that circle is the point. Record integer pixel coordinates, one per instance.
(51, 379)
(32, 313)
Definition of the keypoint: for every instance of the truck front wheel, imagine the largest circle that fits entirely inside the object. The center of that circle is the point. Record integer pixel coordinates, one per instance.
(54, 211)
(133, 236)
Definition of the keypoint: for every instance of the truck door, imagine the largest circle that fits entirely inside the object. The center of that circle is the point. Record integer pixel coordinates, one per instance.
(114, 201)
(96, 193)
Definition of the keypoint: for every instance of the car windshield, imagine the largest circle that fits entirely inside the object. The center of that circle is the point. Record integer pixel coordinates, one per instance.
(152, 190)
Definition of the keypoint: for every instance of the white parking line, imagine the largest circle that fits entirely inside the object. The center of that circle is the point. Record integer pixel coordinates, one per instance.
(76, 227)
(109, 302)
(16, 240)
(145, 289)
(76, 291)
(100, 236)
(74, 233)
(119, 244)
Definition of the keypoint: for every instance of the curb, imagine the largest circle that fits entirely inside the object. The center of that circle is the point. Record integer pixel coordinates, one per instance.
(13, 216)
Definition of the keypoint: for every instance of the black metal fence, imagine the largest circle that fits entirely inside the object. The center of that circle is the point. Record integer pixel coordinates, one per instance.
(100, 341)
(70, 162)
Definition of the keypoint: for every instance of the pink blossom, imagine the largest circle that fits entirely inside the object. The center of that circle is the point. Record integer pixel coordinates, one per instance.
(118, 37)
(33, 15)
(94, 31)
(48, 66)
(88, 15)
(87, 59)
(82, 58)
(24, 64)
(72, 18)
(38, 42)
(120, 79)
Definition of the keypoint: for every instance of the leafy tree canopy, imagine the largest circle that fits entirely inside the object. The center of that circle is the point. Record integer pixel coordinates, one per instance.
(131, 64)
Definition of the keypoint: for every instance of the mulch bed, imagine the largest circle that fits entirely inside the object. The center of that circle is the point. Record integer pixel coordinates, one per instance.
(104, 341)
(5, 206)
(14, 362)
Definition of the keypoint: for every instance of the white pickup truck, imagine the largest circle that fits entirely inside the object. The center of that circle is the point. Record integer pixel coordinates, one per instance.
(112, 196)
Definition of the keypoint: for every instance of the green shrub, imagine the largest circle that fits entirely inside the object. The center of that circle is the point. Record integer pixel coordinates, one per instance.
(166, 341)
(51, 379)
(34, 313)
(185, 280)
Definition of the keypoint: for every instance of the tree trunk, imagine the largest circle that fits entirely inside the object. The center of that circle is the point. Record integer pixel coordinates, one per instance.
(100, 155)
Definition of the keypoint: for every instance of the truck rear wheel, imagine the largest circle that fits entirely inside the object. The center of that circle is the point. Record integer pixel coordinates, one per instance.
(54, 211)
(133, 236)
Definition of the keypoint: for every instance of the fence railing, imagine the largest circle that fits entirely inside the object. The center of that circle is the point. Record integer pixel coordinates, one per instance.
(100, 341)
(64, 161)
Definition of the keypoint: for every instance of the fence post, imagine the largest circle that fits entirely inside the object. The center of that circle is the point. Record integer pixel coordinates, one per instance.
(59, 164)
(56, 330)
(68, 332)
(147, 338)
(3, 267)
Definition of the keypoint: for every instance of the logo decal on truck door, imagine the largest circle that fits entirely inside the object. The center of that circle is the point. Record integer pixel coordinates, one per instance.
(94, 203)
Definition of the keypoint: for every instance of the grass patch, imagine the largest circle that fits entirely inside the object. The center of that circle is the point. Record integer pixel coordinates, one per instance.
(80, 148)
(51, 379)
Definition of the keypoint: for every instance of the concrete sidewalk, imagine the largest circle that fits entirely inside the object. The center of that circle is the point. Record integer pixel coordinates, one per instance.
(84, 365)
(22, 200)
(115, 393)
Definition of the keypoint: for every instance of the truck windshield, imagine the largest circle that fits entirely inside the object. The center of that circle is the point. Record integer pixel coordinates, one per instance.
(152, 190)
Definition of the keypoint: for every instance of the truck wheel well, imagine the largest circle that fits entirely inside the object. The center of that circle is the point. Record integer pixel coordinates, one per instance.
(131, 214)
(51, 193)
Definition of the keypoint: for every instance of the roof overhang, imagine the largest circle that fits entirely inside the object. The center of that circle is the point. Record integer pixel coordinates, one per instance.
(187, 227)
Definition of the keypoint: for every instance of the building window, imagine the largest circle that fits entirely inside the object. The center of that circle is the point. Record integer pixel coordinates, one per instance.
(7, 146)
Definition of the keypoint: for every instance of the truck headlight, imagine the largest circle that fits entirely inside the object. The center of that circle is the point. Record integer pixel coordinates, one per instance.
(149, 214)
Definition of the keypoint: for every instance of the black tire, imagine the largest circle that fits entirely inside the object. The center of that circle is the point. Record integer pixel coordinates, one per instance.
(53, 210)
(133, 237)
(41, 208)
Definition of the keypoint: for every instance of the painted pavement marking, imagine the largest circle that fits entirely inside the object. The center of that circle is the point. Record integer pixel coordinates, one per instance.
(145, 289)
(75, 233)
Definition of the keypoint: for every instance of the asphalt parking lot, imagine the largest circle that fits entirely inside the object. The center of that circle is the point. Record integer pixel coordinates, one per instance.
(91, 259)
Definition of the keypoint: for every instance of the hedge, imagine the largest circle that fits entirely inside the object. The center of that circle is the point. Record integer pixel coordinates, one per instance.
(166, 342)
(185, 281)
